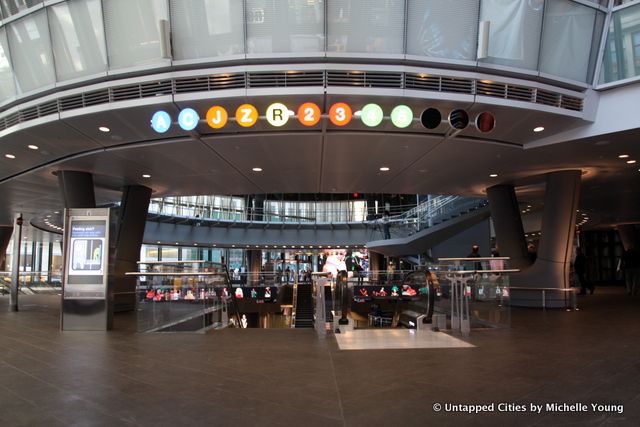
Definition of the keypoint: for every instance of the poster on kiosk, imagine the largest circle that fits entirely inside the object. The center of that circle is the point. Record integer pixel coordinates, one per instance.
(85, 303)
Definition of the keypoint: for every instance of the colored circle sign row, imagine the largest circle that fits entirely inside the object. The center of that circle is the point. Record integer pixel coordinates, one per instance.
(309, 114)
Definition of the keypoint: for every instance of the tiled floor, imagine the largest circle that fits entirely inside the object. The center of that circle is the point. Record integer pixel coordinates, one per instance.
(292, 377)
(384, 339)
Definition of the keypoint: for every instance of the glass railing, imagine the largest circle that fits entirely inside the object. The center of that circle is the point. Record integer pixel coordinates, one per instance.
(462, 294)
(474, 292)
(198, 209)
(196, 296)
(33, 282)
(432, 212)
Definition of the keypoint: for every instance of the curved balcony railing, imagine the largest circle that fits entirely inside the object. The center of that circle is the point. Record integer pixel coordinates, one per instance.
(46, 45)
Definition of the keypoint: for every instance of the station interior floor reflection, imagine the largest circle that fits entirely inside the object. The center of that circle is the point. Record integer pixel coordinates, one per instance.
(277, 377)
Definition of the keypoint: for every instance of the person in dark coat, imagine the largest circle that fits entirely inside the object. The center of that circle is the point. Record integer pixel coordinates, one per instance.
(580, 267)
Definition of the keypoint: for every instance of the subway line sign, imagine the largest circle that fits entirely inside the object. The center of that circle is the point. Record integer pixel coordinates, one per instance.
(309, 114)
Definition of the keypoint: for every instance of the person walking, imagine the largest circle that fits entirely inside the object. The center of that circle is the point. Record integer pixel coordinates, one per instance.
(631, 267)
(580, 267)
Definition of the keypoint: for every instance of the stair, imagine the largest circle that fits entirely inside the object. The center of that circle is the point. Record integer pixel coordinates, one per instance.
(304, 306)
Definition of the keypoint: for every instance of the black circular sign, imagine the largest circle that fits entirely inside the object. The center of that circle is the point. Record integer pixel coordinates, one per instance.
(458, 119)
(485, 122)
(431, 118)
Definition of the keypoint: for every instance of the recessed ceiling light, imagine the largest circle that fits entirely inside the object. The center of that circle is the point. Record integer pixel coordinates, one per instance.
(177, 243)
(538, 129)
(623, 156)
(257, 169)
(32, 147)
(56, 212)
(146, 175)
(384, 169)
(195, 244)
(158, 242)
(104, 129)
(10, 156)
(493, 175)
(631, 162)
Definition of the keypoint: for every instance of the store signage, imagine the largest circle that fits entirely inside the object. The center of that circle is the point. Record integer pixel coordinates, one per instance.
(309, 114)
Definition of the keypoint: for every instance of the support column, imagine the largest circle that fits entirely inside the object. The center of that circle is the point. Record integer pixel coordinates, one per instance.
(15, 265)
(255, 266)
(376, 261)
(629, 236)
(76, 189)
(130, 230)
(551, 269)
(6, 231)
(508, 225)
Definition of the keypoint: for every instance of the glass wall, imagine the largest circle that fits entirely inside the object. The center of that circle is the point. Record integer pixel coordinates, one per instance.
(622, 51)
(7, 84)
(62, 41)
(345, 211)
(366, 26)
(207, 28)
(569, 41)
(438, 30)
(12, 7)
(214, 207)
(133, 31)
(514, 32)
(285, 26)
(77, 34)
(31, 52)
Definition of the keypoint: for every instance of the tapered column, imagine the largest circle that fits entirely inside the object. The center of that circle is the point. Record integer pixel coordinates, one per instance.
(130, 230)
(375, 265)
(551, 269)
(255, 266)
(15, 264)
(629, 236)
(76, 189)
(508, 225)
(5, 236)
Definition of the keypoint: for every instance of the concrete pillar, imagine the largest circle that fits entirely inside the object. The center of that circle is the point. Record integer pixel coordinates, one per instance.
(15, 265)
(551, 269)
(508, 225)
(76, 189)
(6, 231)
(376, 261)
(629, 236)
(255, 266)
(129, 232)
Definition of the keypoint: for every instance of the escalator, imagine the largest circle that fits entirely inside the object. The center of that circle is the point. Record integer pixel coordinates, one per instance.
(304, 306)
